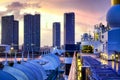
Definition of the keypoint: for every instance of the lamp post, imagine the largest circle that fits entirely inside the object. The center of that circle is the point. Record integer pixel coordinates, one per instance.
(14, 51)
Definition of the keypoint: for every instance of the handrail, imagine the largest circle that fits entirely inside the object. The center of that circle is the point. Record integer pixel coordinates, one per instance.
(76, 68)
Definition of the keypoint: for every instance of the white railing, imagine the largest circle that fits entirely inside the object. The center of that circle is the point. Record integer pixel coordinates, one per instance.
(73, 71)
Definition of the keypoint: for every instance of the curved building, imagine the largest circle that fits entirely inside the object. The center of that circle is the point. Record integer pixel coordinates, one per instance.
(26, 70)
(39, 67)
(18, 74)
(45, 68)
(113, 19)
(6, 76)
(37, 72)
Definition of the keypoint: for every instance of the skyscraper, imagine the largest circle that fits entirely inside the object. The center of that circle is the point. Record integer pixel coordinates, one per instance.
(32, 32)
(16, 35)
(69, 28)
(56, 34)
(69, 40)
(9, 31)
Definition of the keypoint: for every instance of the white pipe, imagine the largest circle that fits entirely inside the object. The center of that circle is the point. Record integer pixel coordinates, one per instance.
(22, 56)
(32, 53)
(6, 60)
(15, 59)
(28, 56)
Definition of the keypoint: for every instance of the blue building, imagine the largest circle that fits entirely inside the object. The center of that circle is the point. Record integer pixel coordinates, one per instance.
(113, 21)
(69, 28)
(56, 34)
(32, 32)
(10, 31)
(69, 40)
(16, 35)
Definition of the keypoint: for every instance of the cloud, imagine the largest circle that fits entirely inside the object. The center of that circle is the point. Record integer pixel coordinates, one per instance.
(93, 6)
(16, 7)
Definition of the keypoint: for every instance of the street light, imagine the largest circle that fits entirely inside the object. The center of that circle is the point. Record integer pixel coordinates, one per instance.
(14, 51)
(11, 50)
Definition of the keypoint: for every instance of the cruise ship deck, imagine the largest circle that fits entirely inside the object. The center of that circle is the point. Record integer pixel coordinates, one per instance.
(88, 67)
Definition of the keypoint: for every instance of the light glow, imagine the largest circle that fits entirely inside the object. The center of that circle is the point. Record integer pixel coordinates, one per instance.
(115, 2)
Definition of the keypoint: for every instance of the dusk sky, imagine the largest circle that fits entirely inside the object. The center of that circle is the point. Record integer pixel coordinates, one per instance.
(87, 14)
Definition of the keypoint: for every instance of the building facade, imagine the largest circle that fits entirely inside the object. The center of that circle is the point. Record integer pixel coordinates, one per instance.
(113, 21)
(69, 28)
(56, 34)
(16, 35)
(69, 40)
(32, 32)
(10, 31)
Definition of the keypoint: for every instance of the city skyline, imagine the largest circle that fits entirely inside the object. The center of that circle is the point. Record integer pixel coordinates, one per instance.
(90, 48)
(52, 11)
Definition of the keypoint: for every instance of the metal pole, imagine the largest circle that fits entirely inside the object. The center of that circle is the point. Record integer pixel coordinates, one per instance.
(22, 56)
(28, 56)
(15, 60)
(32, 52)
(6, 60)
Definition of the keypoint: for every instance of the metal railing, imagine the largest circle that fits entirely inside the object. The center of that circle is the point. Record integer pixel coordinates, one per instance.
(76, 68)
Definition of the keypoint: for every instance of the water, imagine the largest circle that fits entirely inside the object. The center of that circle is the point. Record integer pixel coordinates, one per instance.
(113, 64)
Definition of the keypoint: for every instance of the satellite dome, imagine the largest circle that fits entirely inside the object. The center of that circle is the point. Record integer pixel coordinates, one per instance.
(85, 35)
(113, 16)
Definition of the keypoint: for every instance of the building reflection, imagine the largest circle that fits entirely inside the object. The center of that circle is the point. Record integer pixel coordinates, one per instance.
(113, 64)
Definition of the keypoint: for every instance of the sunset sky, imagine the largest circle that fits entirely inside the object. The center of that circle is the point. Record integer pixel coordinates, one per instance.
(87, 14)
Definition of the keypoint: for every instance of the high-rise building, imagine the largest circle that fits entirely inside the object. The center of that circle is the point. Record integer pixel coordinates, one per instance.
(10, 31)
(56, 34)
(69, 40)
(32, 32)
(69, 28)
(16, 35)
